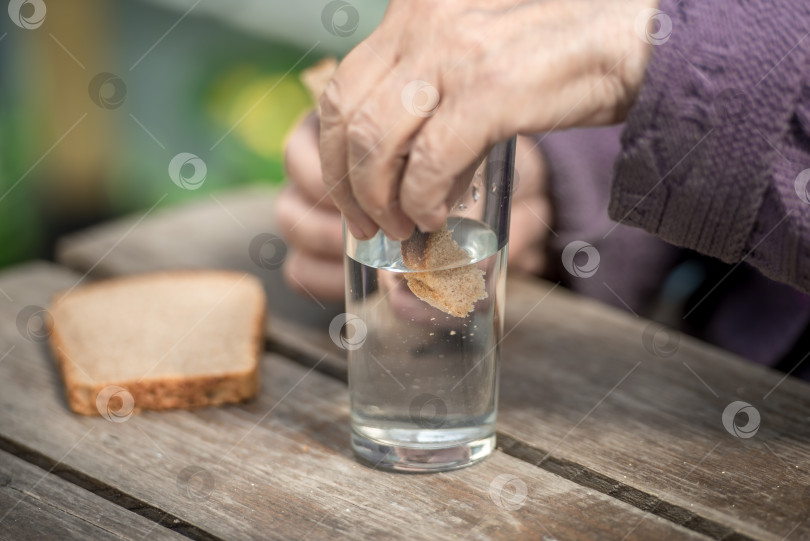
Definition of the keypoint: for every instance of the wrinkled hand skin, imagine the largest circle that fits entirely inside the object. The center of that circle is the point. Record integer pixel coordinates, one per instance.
(311, 223)
(309, 220)
(500, 67)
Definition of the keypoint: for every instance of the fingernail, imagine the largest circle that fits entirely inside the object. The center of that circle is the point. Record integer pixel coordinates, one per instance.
(408, 234)
(399, 234)
(433, 220)
(355, 230)
(396, 236)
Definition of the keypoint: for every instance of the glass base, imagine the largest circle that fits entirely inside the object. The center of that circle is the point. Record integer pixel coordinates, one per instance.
(422, 458)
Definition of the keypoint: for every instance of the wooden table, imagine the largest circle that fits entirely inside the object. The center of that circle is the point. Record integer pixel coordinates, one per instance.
(613, 435)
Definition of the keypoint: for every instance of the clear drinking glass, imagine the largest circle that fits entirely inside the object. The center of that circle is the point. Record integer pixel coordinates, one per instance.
(423, 382)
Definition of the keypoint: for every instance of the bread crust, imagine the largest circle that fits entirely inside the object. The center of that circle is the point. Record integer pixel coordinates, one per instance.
(316, 78)
(160, 392)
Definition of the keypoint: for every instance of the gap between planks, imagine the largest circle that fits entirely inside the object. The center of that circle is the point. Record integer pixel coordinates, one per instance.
(111, 494)
(568, 470)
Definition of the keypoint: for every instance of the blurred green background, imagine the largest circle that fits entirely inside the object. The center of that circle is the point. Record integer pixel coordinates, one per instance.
(215, 79)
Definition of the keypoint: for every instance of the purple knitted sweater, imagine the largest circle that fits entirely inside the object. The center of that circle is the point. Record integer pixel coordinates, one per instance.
(709, 160)
(719, 134)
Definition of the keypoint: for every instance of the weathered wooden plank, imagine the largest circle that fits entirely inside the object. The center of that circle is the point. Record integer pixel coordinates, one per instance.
(281, 466)
(35, 504)
(659, 432)
(229, 231)
(583, 381)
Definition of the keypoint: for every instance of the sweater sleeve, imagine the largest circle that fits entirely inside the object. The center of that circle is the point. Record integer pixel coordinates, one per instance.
(633, 263)
(714, 148)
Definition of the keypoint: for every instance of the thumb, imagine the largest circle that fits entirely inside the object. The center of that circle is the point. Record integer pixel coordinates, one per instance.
(443, 156)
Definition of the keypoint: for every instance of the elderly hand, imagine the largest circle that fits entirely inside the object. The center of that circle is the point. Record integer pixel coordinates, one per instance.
(309, 220)
(312, 226)
(440, 81)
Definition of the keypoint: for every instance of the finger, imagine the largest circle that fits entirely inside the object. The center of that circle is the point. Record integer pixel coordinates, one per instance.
(531, 217)
(448, 143)
(310, 228)
(317, 277)
(379, 139)
(363, 68)
(530, 169)
(461, 182)
(528, 234)
(302, 162)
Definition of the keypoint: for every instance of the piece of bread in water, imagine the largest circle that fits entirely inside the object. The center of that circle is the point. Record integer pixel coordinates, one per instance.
(175, 339)
(452, 290)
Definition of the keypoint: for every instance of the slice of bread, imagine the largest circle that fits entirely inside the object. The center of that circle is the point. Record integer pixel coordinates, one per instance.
(175, 339)
(315, 78)
(453, 290)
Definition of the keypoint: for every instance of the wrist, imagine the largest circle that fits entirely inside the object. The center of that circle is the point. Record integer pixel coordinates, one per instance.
(595, 64)
(639, 28)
